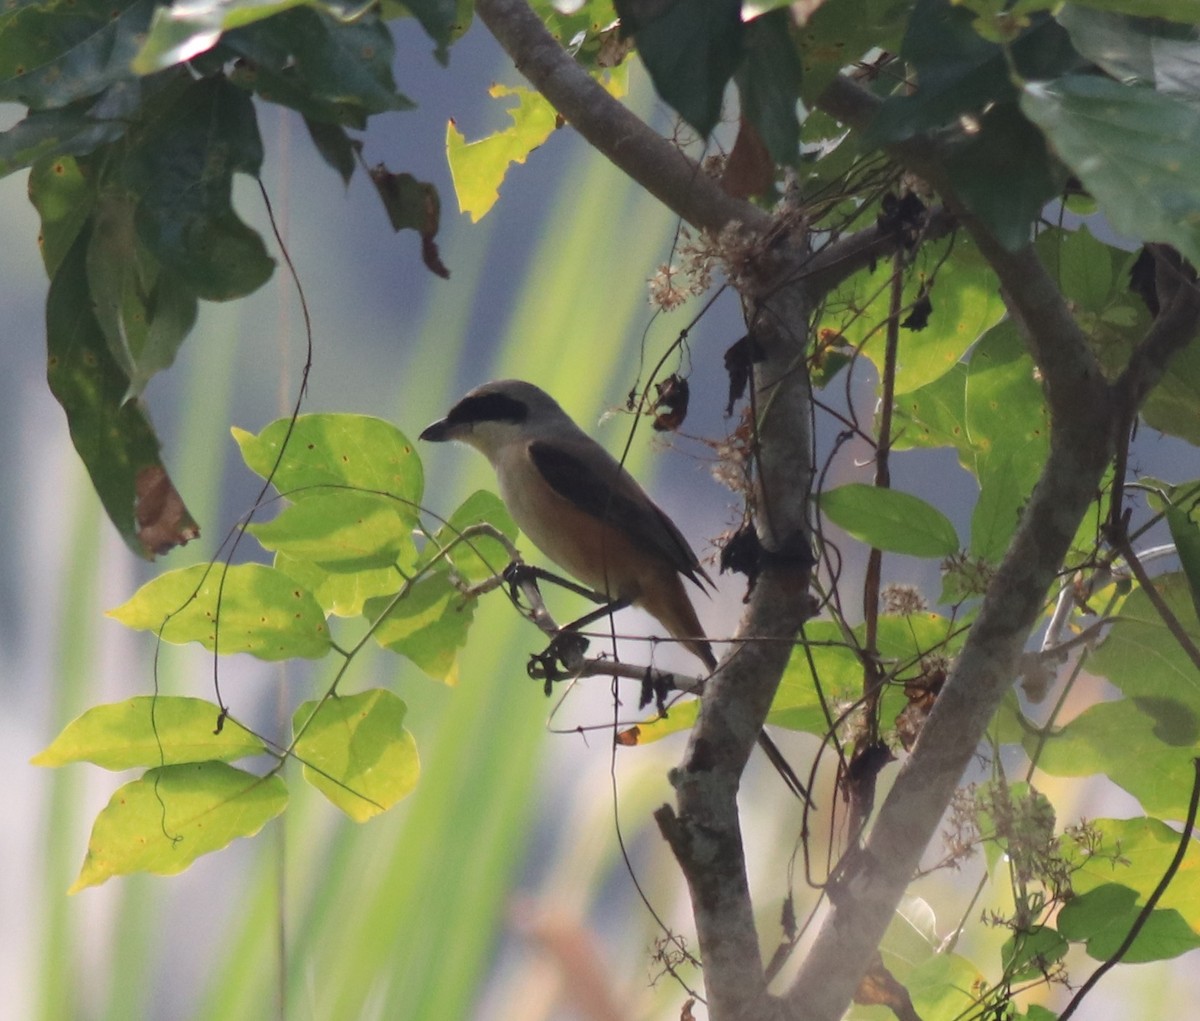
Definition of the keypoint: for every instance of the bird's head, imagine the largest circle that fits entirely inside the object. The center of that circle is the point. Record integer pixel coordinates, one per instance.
(498, 413)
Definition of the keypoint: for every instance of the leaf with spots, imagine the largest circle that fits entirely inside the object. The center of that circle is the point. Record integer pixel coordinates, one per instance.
(328, 452)
(164, 821)
(262, 611)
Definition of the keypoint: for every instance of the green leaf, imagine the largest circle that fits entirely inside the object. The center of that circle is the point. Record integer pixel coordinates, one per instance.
(997, 511)
(262, 611)
(1186, 536)
(478, 168)
(934, 416)
(179, 33)
(1005, 174)
(960, 73)
(184, 181)
(691, 49)
(1139, 655)
(63, 198)
(113, 436)
(70, 131)
(335, 147)
(834, 668)
(1138, 49)
(340, 593)
(330, 70)
(1135, 150)
(1187, 11)
(428, 625)
(1103, 917)
(343, 531)
(890, 520)
(838, 34)
(443, 20)
(356, 751)
(54, 54)
(144, 313)
(1005, 409)
(1027, 956)
(336, 452)
(965, 300)
(174, 814)
(482, 556)
(1143, 849)
(150, 731)
(1112, 739)
(769, 84)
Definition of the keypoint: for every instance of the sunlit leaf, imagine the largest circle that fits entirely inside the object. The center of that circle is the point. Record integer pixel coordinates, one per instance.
(341, 593)
(262, 611)
(481, 556)
(1143, 849)
(341, 530)
(1111, 739)
(325, 452)
(63, 198)
(1140, 656)
(174, 814)
(150, 731)
(478, 168)
(429, 625)
(966, 302)
(1030, 955)
(891, 520)
(357, 752)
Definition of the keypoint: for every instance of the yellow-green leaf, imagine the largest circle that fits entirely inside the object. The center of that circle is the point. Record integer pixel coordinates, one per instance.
(172, 815)
(263, 611)
(478, 168)
(357, 753)
(150, 731)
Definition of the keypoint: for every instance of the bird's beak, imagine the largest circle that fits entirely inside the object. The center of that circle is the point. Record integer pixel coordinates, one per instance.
(438, 432)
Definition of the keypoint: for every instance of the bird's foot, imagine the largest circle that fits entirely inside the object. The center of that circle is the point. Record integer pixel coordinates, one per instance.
(561, 659)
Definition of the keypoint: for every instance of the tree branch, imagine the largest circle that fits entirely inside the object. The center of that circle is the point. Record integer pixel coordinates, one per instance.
(656, 164)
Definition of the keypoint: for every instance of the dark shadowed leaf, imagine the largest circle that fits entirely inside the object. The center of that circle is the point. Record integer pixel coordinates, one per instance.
(113, 436)
(769, 84)
(184, 181)
(54, 54)
(691, 49)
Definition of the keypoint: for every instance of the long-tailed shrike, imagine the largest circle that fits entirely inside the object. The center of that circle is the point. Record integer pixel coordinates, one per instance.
(584, 511)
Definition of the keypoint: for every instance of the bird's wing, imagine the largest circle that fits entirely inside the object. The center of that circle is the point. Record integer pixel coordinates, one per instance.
(618, 500)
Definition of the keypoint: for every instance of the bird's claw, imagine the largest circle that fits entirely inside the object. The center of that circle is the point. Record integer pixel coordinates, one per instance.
(561, 659)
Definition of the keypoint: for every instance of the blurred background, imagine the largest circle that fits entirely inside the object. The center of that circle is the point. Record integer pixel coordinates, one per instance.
(498, 889)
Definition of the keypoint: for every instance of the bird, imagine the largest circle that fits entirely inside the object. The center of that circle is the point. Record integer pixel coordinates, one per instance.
(580, 507)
